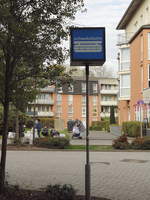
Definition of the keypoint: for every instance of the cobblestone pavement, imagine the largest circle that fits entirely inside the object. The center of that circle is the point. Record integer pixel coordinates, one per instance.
(114, 175)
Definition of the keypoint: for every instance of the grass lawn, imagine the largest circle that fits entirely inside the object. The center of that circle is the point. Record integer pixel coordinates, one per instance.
(91, 147)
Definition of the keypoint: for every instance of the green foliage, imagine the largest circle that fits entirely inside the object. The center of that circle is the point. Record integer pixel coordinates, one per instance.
(131, 128)
(112, 115)
(61, 192)
(121, 142)
(29, 123)
(47, 122)
(56, 142)
(100, 126)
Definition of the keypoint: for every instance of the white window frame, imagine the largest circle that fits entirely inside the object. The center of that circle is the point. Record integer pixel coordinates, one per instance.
(59, 98)
(58, 110)
(95, 87)
(122, 61)
(70, 110)
(83, 100)
(70, 99)
(94, 99)
(126, 87)
(83, 87)
(83, 111)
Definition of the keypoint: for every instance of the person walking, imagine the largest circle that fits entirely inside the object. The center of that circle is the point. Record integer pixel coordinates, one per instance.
(38, 127)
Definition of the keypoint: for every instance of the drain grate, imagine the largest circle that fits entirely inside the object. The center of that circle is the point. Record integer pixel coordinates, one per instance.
(134, 161)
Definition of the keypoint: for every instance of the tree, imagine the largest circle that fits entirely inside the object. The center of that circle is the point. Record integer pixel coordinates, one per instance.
(112, 115)
(31, 32)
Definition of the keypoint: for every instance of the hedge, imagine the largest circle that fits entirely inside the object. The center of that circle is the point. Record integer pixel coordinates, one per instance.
(54, 143)
(100, 125)
(131, 128)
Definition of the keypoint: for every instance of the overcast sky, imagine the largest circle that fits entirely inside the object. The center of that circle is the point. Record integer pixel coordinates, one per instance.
(104, 13)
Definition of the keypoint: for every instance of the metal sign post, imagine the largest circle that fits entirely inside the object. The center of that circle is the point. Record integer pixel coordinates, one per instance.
(87, 165)
(87, 49)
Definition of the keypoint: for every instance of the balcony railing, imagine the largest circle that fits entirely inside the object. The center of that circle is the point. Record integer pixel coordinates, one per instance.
(108, 103)
(104, 91)
(43, 101)
(41, 114)
(107, 114)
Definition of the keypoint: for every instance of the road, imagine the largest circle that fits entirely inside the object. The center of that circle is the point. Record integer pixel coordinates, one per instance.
(114, 175)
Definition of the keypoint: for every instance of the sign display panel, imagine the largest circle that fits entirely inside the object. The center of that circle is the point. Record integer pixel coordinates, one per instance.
(87, 46)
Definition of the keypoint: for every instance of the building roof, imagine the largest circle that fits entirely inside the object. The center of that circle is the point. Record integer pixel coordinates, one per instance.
(139, 30)
(129, 13)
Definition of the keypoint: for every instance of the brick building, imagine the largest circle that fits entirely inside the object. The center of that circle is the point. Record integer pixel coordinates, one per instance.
(69, 103)
(134, 62)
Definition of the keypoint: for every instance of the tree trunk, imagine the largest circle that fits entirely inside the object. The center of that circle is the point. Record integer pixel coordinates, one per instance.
(4, 146)
(5, 128)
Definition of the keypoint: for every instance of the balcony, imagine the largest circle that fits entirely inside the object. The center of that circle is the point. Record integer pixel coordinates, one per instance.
(108, 103)
(103, 91)
(44, 101)
(107, 114)
(45, 114)
(40, 114)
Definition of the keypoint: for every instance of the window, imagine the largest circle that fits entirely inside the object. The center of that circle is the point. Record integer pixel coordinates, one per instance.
(83, 85)
(95, 88)
(125, 59)
(94, 111)
(58, 111)
(94, 100)
(70, 99)
(70, 109)
(125, 85)
(83, 111)
(59, 98)
(148, 46)
(83, 100)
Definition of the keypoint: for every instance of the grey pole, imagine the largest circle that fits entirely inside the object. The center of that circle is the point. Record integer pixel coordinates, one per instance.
(87, 165)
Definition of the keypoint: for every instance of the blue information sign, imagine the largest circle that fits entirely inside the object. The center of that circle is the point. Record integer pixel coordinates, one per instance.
(87, 46)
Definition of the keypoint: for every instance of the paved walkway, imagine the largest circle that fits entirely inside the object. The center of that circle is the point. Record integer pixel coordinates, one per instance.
(97, 138)
(114, 175)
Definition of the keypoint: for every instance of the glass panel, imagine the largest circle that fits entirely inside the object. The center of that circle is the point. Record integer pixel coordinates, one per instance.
(125, 81)
(125, 92)
(125, 59)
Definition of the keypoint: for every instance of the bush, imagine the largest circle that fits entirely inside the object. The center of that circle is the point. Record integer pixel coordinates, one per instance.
(49, 142)
(141, 143)
(100, 125)
(137, 143)
(131, 128)
(61, 192)
(121, 142)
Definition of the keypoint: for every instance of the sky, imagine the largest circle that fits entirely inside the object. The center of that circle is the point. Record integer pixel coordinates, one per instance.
(104, 13)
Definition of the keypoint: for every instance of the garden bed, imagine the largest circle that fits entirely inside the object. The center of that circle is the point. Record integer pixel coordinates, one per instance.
(20, 194)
